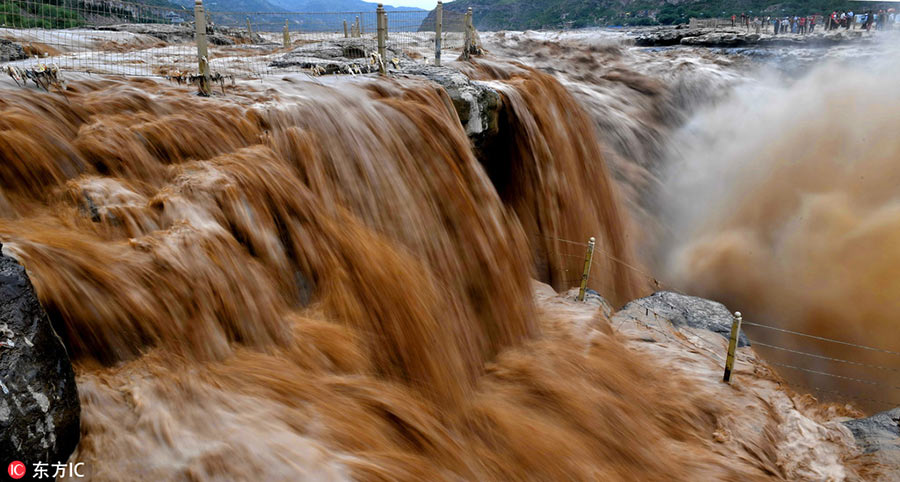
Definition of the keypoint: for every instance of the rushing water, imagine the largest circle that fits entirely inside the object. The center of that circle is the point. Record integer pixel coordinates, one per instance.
(280, 285)
(302, 281)
(764, 178)
(791, 211)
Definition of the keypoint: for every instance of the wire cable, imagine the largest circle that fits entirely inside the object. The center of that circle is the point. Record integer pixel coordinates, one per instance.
(821, 338)
(822, 357)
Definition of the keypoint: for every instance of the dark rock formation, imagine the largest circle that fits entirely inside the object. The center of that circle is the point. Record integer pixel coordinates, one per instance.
(476, 103)
(10, 51)
(39, 407)
(666, 36)
(683, 310)
(722, 39)
(878, 436)
(737, 37)
(217, 39)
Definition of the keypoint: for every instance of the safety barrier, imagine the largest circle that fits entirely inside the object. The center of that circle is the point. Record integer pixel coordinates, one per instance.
(799, 355)
(133, 39)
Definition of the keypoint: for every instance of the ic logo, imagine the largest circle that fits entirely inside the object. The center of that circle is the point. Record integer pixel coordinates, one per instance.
(16, 469)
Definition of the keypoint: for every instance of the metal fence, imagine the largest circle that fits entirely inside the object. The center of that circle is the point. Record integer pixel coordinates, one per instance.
(117, 37)
(97, 37)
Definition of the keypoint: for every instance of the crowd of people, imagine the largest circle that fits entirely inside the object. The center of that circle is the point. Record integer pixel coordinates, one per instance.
(802, 25)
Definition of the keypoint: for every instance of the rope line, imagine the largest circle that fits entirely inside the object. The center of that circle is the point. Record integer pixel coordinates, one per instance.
(571, 256)
(822, 357)
(693, 346)
(823, 338)
(561, 240)
(817, 372)
(623, 263)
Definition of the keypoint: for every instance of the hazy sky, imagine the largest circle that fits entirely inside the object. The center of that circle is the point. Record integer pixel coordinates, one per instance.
(426, 4)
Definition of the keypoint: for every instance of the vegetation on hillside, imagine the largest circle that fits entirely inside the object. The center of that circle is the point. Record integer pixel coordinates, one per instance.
(21, 14)
(535, 14)
(78, 13)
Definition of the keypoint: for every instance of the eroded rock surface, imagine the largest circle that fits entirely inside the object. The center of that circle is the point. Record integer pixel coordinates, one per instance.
(878, 436)
(738, 37)
(10, 51)
(39, 407)
(684, 310)
(333, 56)
(476, 103)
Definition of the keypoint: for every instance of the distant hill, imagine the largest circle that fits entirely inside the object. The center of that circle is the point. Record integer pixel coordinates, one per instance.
(77, 13)
(536, 14)
(232, 5)
(332, 6)
(264, 14)
(315, 6)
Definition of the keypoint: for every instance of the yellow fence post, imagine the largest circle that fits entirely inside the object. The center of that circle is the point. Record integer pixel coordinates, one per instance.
(287, 35)
(732, 346)
(249, 30)
(345, 30)
(380, 23)
(438, 31)
(202, 48)
(588, 257)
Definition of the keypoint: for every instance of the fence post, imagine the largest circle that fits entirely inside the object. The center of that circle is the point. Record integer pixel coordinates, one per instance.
(287, 35)
(732, 345)
(438, 32)
(202, 48)
(471, 28)
(345, 29)
(468, 33)
(588, 257)
(249, 30)
(356, 31)
(380, 22)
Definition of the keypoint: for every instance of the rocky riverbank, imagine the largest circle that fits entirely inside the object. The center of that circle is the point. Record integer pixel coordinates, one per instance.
(738, 37)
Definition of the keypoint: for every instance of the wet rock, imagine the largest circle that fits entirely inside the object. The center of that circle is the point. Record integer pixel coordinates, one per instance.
(89, 208)
(10, 51)
(333, 56)
(722, 39)
(664, 37)
(39, 407)
(683, 310)
(164, 32)
(476, 103)
(728, 37)
(593, 297)
(217, 39)
(879, 437)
